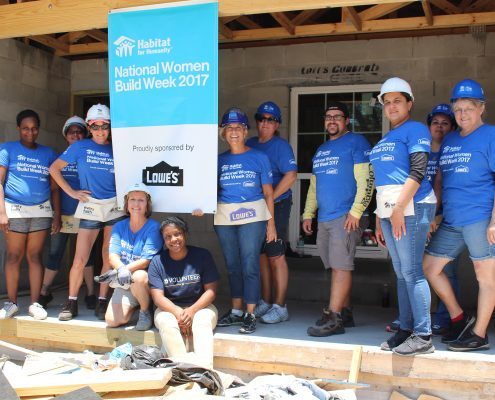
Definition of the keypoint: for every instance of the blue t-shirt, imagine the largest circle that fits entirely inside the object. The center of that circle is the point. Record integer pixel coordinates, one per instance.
(432, 166)
(182, 281)
(468, 184)
(333, 167)
(390, 156)
(132, 246)
(241, 176)
(95, 166)
(28, 180)
(281, 158)
(68, 205)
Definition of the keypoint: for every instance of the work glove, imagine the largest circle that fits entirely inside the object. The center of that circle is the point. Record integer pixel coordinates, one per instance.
(123, 279)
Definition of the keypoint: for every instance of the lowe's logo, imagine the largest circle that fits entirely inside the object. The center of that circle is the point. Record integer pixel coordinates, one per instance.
(242, 213)
(163, 174)
(125, 45)
(462, 168)
(424, 141)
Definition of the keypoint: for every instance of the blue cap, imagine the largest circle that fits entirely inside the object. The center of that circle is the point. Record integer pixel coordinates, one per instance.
(441, 109)
(234, 115)
(269, 107)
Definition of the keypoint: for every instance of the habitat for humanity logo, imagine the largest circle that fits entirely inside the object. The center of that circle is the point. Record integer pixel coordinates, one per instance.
(124, 46)
(163, 174)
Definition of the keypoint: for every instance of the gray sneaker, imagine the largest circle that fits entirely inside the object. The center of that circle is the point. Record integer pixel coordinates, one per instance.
(262, 308)
(144, 321)
(9, 310)
(333, 326)
(414, 345)
(275, 315)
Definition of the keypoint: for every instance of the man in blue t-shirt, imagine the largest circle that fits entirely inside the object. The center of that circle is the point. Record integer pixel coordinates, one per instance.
(274, 271)
(340, 188)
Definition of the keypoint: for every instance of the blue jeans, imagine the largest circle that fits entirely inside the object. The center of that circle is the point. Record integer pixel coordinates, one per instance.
(241, 249)
(442, 316)
(413, 291)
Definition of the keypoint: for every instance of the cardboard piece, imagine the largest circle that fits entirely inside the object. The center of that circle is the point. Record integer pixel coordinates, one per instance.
(85, 393)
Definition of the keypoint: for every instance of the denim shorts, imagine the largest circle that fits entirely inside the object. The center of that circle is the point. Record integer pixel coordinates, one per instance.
(27, 225)
(89, 224)
(282, 215)
(450, 241)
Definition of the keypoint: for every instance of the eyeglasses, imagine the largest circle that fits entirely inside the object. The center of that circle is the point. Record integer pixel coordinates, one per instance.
(336, 118)
(461, 111)
(78, 132)
(268, 120)
(104, 127)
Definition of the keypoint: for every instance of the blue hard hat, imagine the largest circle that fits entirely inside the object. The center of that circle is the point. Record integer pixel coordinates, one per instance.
(467, 89)
(234, 115)
(441, 109)
(269, 107)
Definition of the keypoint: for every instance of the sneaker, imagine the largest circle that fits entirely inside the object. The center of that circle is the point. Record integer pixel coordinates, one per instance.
(414, 345)
(261, 308)
(333, 326)
(248, 323)
(37, 311)
(458, 328)
(90, 301)
(229, 319)
(43, 300)
(144, 321)
(275, 315)
(347, 317)
(438, 330)
(9, 310)
(101, 309)
(393, 327)
(69, 310)
(469, 341)
(395, 340)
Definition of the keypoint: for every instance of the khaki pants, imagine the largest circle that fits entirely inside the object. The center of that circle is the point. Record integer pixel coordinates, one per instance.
(176, 346)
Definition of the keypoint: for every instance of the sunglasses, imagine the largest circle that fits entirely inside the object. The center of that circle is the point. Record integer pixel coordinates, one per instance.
(269, 120)
(104, 127)
(336, 118)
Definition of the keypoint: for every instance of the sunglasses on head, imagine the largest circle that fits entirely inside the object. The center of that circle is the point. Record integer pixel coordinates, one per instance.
(104, 127)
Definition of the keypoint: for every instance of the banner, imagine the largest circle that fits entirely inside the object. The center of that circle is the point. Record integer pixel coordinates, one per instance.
(163, 70)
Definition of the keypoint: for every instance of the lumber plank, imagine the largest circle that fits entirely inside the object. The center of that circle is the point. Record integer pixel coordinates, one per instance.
(357, 355)
(428, 397)
(398, 396)
(109, 381)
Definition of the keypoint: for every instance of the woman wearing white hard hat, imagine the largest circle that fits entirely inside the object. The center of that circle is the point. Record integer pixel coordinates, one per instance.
(74, 129)
(134, 242)
(405, 209)
(467, 181)
(97, 208)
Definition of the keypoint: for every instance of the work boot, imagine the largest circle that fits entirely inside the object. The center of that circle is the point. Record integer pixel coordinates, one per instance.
(333, 326)
(69, 310)
(101, 309)
(347, 317)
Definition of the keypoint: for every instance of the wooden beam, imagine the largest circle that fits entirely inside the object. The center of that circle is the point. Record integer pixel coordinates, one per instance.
(304, 16)
(226, 20)
(48, 16)
(427, 10)
(226, 32)
(381, 10)
(98, 35)
(478, 5)
(248, 22)
(85, 48)
(446, 6)
(285, 22)
(50, 41)
(354, 17)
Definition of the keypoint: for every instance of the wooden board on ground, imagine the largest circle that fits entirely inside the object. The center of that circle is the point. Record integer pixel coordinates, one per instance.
(398, 396)
(110, 381)
(428, 397)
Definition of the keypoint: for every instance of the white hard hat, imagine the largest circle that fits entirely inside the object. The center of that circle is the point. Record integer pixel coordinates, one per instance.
(138, 187)
(98, 112)
(74, 120)
(395, 84)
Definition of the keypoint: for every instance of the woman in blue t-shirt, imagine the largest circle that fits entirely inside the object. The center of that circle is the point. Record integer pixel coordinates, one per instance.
(243, 220)
(97, 208)
(466, 176)
(405, 208)
(183, 281)
(134, 242)
(25, 209)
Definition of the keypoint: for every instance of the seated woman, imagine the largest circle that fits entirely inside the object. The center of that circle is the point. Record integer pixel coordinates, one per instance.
(183, 281)
(133, 244)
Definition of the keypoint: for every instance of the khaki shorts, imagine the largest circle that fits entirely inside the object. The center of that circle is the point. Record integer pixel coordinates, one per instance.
(123, 297)
(336, 246)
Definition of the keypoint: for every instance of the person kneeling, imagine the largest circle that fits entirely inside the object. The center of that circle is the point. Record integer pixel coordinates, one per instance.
(183, 281)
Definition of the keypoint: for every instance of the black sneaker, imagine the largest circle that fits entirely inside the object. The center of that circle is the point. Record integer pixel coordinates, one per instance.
(458, 328)
(69, 311)
(347, 317)
(393, 327)
(333, 326)
(438, 330)
(229, 319)
(395, 340)
(101, 309)
(248, 323)
(90, 302)
(469, 341)
(43, 300)
(414, 345)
